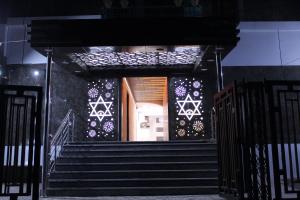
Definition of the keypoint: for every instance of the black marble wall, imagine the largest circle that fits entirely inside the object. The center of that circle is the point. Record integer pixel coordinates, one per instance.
(68, 91)
(29, 75)
(257, 73)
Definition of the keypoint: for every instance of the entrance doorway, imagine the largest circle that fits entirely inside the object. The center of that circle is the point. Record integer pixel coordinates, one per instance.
(145, 109)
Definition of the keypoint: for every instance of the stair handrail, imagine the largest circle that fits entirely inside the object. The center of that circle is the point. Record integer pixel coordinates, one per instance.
(62, 136)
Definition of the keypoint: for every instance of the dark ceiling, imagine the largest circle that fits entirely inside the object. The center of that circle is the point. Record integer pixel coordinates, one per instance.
(251, 10)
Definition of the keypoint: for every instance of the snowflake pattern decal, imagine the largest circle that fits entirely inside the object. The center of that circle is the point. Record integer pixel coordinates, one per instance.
(108, 126)
(181, 132)
(93, 93)
(108, 86)
(196, 84)
(180, 91)
(198, 126)
(92, 133)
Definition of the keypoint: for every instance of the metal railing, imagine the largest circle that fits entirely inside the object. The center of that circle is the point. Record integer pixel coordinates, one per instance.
(63, 136)
(20, 140)
(258, 134)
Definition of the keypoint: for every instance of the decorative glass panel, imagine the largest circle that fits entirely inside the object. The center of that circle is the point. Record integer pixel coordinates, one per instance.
(186, 108)
(103, 110)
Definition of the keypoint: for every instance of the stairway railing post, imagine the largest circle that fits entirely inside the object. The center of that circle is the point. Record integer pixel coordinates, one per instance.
(46, 121)
(220, 82)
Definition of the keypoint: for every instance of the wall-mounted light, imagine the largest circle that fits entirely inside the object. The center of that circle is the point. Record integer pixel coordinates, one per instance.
(36, 73)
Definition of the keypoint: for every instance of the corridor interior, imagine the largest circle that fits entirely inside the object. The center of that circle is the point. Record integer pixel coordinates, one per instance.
(145, 109)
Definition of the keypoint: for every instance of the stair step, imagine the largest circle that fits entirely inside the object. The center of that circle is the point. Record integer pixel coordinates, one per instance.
(136, 166)
(149, 146)
(135, 174)
(181, 151)
(131, 191)
(134, 158)
(130, 182)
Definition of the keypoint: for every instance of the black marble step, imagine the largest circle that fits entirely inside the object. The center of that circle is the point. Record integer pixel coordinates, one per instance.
(134, 158)
(205, 173)
(139, 146)
(135, 166)
(132, 191)
(130, 182)
(170, 151)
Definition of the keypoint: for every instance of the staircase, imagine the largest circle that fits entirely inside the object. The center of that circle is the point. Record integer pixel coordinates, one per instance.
(135, 168)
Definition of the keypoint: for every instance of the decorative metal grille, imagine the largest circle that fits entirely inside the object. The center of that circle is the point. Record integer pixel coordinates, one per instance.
(20, 140)
(103, 109)
(186, 108)
(181, 56)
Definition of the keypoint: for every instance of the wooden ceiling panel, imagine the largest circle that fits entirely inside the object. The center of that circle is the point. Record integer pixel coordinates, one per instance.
(148, 89)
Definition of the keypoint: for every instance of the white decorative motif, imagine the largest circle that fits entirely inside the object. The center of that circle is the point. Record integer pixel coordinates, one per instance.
(108, 126)
(198, 126)
(196, 84)
(196, 93)
(180, 91)
(189, 113)
(93, 124)
(108, 86)
(93, 93)
(182, 123)
(181, 132)
(107, 95)
(100, 114)
(92, 133)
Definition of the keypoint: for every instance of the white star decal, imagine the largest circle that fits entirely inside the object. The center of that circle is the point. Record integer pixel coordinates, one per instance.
(189, 113)
(100, 114)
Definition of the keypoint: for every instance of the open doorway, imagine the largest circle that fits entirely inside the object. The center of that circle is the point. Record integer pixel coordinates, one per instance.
(145, 109)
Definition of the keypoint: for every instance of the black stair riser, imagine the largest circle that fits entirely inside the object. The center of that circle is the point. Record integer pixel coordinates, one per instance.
(130, 174)
(131, 183)
(141, 147)
(150, 166)
(135, 159)
(129, 169)
(212, 152)
(131, 192)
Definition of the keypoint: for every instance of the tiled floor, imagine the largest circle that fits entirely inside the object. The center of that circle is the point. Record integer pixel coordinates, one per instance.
(193, 197)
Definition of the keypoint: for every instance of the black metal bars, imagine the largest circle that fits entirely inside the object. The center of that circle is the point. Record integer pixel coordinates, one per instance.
(20, 140)
(258, 133)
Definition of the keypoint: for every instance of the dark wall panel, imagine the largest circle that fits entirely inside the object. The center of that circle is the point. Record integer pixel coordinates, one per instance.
(103, 110)
(188, 109)
(257, 73)
(68, 91)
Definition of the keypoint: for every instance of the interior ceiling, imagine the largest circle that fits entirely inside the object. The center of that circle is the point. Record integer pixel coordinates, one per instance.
(136, 56)
(148, 89)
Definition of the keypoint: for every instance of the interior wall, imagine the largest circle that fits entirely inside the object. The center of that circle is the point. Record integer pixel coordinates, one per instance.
(130, 112)
(166, 112)
(124, 112)
(150, 122)
(132, 119)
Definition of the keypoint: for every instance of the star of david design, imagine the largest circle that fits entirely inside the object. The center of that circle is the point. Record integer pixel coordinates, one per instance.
(189, 113)
(100, 114)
